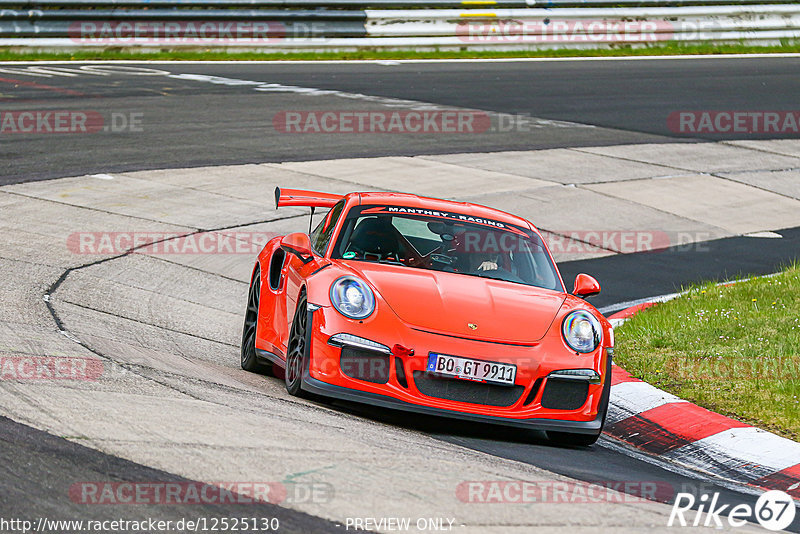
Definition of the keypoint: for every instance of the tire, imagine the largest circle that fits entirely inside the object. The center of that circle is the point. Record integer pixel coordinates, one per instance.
(250, 361)
(297, 351)
(569, 438)
(584, 440)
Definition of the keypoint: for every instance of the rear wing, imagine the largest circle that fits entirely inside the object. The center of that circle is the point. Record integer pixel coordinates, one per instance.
(298, 197)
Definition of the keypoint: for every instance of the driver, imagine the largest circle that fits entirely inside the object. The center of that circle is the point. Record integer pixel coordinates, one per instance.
(376, 236)
(485, 262)
(473, 262)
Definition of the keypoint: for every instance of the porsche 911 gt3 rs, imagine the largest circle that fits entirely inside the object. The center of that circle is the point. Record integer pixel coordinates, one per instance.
(430, 306)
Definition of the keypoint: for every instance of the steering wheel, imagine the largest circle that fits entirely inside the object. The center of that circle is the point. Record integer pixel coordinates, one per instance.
(444, 259)
(389, 257)
(438, 255)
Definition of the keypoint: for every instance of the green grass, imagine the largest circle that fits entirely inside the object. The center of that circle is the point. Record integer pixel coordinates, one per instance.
(734, 350)
(7, 54)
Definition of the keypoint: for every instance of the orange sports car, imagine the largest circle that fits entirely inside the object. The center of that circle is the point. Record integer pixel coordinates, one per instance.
(429, 306)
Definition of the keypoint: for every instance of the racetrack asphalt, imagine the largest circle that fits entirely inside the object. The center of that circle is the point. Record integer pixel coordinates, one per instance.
(184, 122)
(628, 277)
(52, 465)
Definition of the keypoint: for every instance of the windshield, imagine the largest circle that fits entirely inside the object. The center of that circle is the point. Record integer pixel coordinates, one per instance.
(448, 242)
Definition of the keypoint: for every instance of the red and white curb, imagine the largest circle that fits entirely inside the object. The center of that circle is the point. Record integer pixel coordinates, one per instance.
(683, 433)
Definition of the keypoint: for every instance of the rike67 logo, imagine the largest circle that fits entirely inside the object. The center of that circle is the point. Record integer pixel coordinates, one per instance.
(774, 510)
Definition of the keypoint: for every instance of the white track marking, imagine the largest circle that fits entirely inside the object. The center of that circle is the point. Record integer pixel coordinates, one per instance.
(94, 70)
(631, 398)
(747, 446)
(765, 235)
(418, 61)
(631, 303)
(416, 105)
(755, 445)
(667, 464)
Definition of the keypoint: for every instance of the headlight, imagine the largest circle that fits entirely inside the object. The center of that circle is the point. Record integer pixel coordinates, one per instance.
(352, 297)
(582, 331)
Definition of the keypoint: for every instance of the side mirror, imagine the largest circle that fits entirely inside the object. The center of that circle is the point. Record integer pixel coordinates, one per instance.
(298, 244)
(585, 286)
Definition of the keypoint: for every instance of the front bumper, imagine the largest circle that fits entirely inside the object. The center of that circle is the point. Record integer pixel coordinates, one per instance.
(318, 387)
(324, 376)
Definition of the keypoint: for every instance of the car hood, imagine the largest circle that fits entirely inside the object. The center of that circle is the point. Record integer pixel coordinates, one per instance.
(448, 303)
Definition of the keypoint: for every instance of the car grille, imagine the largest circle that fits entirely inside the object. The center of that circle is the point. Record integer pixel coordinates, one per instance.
(401, 373)
(534, 390)
(365, 365)
(466, 390)
(564, 394)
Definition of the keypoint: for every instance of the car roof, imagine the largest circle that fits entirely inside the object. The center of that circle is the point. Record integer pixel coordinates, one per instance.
(416, 201)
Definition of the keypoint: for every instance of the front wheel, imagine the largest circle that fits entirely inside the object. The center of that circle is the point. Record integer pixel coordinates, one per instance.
(248, 351)
(297, 350)
(569, 438)
(584, 440)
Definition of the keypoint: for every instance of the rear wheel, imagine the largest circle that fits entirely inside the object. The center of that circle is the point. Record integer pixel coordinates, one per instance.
(297, 350)
(250, 361)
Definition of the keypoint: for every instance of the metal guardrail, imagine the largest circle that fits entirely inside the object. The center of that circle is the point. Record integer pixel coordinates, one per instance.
(364, 4)
(196, 26)
(328, 29)
(182, 14)
(589, 27)
(267, 34)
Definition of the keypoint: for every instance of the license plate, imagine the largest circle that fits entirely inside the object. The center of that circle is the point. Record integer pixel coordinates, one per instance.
(469, 369)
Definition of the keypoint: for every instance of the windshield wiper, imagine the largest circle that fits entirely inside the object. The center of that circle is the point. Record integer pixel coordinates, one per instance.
(390, 262)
